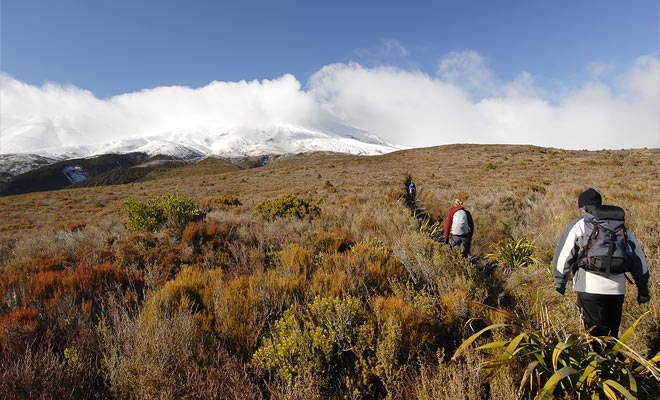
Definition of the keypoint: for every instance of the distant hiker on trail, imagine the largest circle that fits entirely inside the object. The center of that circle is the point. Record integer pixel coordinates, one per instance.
(598, 249)
(459, 227)
(411, 191)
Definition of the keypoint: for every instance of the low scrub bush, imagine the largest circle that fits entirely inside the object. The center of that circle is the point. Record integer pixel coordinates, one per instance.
(210, 241)
(144, 216)
(316, 344)
(288, 206)
(70, 226)
(337, 240)
(373, 266)
(154, 213)
(222, 200)
(39, 375)
(344, 347)
(155, 258)
(246, 305)
(191, 290)
(363, 271)
(450, 380)
(150, 356)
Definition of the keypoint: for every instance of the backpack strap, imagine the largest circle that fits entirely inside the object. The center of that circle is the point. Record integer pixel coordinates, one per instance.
(583, 254)
(607, 262)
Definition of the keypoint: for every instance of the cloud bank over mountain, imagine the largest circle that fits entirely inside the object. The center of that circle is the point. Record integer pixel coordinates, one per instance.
(465, 104)
(462, 103)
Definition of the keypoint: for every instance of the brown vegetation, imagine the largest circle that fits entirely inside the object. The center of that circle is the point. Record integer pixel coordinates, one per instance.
(346, 296)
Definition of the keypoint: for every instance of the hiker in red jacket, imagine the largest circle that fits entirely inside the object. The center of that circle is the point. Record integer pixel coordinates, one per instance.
(459, 227)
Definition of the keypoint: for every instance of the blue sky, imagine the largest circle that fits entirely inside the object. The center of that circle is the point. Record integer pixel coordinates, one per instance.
(482, 48)
(114, 47)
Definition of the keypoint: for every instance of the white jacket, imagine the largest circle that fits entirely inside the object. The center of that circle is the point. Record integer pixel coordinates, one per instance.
(565, 261)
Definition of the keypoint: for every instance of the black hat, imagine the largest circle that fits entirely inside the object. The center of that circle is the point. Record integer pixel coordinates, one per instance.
(589, 197)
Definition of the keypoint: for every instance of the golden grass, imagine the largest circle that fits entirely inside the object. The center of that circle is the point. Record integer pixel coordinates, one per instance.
(225, 281)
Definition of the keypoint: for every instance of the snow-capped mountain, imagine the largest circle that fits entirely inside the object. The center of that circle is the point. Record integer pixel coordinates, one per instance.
(16, 164)
(222, 119)
(51, 141)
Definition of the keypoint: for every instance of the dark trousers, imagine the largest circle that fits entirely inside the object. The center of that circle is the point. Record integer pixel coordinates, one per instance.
(465, 241)
(602, 312)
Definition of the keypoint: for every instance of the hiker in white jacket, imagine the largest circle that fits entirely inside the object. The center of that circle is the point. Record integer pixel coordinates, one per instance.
(600, 294)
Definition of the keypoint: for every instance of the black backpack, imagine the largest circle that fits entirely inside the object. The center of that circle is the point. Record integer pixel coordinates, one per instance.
(605, 247)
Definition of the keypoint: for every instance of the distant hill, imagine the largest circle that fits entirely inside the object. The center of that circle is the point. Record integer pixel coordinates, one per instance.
(105, 169)
(15, 164)
(117, 169)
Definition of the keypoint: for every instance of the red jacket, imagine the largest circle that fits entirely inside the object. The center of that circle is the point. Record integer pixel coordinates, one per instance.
(450, 218)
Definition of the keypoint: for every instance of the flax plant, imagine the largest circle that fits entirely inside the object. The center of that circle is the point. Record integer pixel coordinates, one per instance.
(579, 365)
(513, 253)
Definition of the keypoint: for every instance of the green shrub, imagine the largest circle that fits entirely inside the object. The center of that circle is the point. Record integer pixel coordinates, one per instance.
(144, 216)
(154, 213)
(288, 206)
(342, 348)
(315, 345)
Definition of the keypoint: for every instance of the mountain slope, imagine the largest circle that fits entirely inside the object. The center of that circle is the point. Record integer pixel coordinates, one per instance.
(16, 164)
(232, 143)
(66, 173)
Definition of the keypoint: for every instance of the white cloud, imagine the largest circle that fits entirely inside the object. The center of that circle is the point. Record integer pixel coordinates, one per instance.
(469, 71)
(415, 109)
(49, 116)
(403, 107)
(599, 69)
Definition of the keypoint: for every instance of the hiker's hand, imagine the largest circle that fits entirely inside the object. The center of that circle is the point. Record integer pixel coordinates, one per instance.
(641, 299)
(560, 289)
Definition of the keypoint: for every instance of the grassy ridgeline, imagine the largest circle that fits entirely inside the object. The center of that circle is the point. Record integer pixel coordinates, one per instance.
(353, 300)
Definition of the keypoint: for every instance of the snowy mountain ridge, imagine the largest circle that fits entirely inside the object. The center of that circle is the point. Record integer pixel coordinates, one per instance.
(22, 142)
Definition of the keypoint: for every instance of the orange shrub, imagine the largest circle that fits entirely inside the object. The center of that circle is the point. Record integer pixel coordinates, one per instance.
(25, 317)
(211, 231)
(418, 329)
(93, 280)
(192, 289)
(245, 306)
(222, 200)
(146, 252)
(296, 262)
(43, 262)
(338, 240)
(56, 289)
(43, 285)
(378, 264)
(328, 281)
(70, 226)
(367, 223)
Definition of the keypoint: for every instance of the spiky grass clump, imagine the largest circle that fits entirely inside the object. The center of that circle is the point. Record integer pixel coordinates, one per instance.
(578, 365)
(514, 253)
